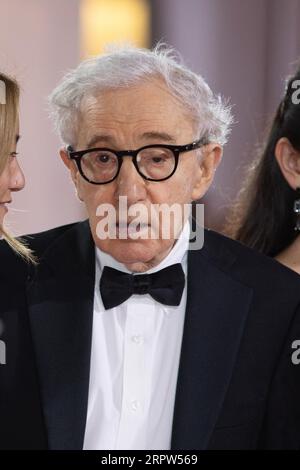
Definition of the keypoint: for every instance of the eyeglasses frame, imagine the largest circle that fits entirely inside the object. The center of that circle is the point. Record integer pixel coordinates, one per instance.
(77, 156)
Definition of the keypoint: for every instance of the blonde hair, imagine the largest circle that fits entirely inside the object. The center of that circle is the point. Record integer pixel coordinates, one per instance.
(9, 115)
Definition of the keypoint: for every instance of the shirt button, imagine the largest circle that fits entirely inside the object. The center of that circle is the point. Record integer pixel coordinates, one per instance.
(135, 404)
(136, 339)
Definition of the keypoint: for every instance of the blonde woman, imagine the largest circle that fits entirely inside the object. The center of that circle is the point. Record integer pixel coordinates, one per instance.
(11, 175)
(20, 416)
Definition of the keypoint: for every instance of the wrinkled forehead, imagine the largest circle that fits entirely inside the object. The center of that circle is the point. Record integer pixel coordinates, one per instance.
(145, 107)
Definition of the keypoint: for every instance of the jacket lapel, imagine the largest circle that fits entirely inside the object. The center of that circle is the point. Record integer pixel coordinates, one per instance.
(216, 312)
(61, 312)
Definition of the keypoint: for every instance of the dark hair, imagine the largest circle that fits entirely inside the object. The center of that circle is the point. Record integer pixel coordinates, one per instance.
(262, 216)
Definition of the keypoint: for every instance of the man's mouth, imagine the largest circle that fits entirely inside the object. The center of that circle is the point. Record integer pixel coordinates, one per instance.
(128, 228)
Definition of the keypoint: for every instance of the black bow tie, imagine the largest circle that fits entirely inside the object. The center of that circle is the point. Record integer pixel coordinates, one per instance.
(165, 286)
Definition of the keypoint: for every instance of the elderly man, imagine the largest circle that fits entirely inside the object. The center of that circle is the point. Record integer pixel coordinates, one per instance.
(140, 340)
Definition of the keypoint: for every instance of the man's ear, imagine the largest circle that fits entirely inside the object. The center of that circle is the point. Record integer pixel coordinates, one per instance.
(70, 164)
(288, 159)
(208, 163)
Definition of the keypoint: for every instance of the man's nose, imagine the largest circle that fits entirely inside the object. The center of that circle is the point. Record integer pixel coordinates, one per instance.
(17, 179)
(130, 183)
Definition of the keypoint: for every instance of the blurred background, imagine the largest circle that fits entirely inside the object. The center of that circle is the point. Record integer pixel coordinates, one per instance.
(244, 49)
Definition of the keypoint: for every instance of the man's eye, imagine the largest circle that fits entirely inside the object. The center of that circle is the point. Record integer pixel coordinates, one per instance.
(104, 158)
(158, 159)
(14, 154)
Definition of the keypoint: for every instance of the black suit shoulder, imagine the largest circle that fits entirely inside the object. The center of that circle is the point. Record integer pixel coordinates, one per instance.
(41, 241)
(265, 384)
(249, 266)
(13, 267)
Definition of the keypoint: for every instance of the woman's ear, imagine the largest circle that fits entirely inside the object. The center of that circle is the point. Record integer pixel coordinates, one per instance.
(208, 163)
(288, 159)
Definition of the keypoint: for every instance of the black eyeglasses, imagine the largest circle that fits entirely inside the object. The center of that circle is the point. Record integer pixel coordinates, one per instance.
(153, 162)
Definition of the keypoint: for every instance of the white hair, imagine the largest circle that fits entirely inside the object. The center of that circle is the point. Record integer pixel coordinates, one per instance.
(124, 66)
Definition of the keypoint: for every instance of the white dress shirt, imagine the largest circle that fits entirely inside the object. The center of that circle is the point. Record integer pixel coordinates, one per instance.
(134, 364)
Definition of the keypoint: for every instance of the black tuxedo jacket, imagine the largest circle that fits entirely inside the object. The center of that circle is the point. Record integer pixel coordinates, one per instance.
(237, 385)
